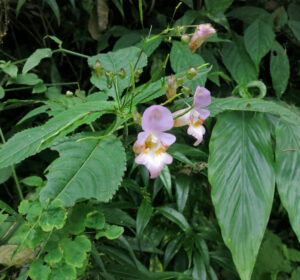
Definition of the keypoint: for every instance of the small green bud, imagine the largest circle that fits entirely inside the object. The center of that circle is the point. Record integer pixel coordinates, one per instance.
(191, 73)
(109, 78)
(69, 93)
(180, 82)
(137, 74)
(122, 73)
(98, 69)
(185, 38)
(186, 90)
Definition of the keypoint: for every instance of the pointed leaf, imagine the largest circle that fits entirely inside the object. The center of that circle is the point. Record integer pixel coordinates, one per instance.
(36, 58)
(86, 169)
(287, 170)
(143, 217)
(183, 184)
(240, 170)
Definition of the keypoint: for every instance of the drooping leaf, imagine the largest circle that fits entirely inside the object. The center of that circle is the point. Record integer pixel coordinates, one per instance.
(10, 69)
(55, 8)
(39, 271)
(33, 140)
(36, 58)
(240, 170)
(279, 68)
(183, 185)
(238, 62)
(86, 169)
(259, 38)
(19, 6)
(287, 170)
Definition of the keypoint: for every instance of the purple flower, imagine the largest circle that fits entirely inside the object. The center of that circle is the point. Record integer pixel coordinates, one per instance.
(196, 117)
(151, 144)
(202, 32)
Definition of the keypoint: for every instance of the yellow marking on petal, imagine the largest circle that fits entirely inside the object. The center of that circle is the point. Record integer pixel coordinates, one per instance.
(197, 124)
(158, 152)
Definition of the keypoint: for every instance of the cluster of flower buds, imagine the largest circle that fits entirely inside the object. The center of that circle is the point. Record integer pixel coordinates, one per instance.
(151, 144)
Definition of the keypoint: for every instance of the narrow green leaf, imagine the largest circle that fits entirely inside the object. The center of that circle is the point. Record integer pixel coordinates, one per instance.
(174, 216)
(36, 58)
(55, 8)
(287, 170)
(32, 181)
(85, 169)
(165, 177)
(259, 38)
(143, 217)
(294, 19)
(243, 182)
(19, 6)
(183, 184)
(141, 12)
(279, 68)
(2, 92)
(199, 271)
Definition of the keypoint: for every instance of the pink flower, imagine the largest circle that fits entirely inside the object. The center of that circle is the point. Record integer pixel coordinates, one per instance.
(196, 117)
(202, 32)
(152, 143)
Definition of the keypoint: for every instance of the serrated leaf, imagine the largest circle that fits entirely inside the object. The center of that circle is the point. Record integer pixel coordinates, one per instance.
(110, 232)
(63, 271)
(287, 170)
(33, 140)
(279, 68)
(53, 217)
(95, 220)
(243, 182)
(238, 62)
(144, 214)
(36, 58)
(75, 251)
(259, 38)
(124, 57)
(85, 169)
(54, 254)
(39, 271)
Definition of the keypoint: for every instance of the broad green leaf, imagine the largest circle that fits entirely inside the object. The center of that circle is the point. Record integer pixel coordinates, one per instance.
(114, 61)
(55, 8)
(279, 68)
(238, 62)
(174, 216)
(220, 105)
(218, 5)
(5, 174)
(149, 47)
(53, 217)
(240, 170)
(95, 220)
(287, 170)
(296, 274)
(258, 39)
(36, 58)
(144, 214)
(33, 140)
(110, 232)
(54, 253)
(63, 271)
(294, 19)
(32, 181)
(28, 79)
(86, 169)
(32, 210)
(10, 69)
(39, 271)
(183, 185)
(33, 113)
(75, 251)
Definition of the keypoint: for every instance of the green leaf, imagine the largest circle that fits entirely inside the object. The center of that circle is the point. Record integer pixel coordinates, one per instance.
(259, 38)
(2, 92)
(174, 216)
(183, 184)
(33, 140)
(10, 69)
(75, 251)
(144, 214)
(220, 105)
(243, 181)
(110, 232)
(19, 6)
(294, 19)
(5, 174)
(28, 79)
(86, 169)
(279, 68)
(287, 170)
(36, 58)
(218, 5)
(54, 253)
(95, 220)
(124, 58)
(32, 181)
(53, 217)
(199, 271)
(77, 219)
(55, 8)
(63, 271)
(238, 62)
(165, 177)
(38, 271)
(33, 113)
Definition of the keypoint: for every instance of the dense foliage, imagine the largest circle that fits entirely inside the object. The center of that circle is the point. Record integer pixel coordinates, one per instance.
(101, 102)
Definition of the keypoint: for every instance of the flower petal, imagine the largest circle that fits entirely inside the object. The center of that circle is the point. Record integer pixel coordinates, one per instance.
(154, 162)
(204, 114)
(167, 138)
(142, 137)
(157, 118)
(183, 120)
(197, 132)
(202, 97)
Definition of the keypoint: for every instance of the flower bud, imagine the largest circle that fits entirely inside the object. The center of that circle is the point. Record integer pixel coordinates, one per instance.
(185, 38)
(137, 74)
(98, 68)
(122, 73)
(180, 82)
(191, 73)
(186, 90)
(69, 93)
(109, 78)
(202, 32)
(171, 87)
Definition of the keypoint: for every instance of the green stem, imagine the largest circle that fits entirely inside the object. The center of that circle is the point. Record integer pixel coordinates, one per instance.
(30, 87)
(183, 113)
(171, 99)
(62, 50)
(13, 171)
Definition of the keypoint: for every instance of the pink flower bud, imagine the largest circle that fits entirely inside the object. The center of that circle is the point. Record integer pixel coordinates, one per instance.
(202, 32)
(171, 87)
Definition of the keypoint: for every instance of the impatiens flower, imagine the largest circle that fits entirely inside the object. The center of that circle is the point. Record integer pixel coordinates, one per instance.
(152, 143)
(195, 117)
(202, 32)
